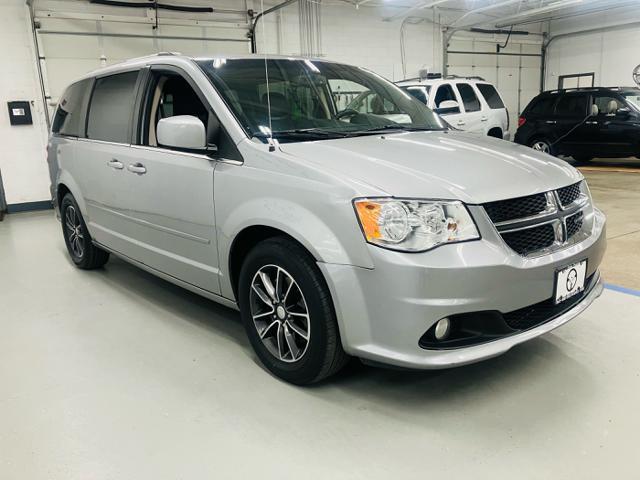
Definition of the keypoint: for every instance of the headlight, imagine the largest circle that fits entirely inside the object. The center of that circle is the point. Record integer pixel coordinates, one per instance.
(414, 225)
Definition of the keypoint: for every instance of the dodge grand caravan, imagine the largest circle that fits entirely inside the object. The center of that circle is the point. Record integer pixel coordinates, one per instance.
(335, 233)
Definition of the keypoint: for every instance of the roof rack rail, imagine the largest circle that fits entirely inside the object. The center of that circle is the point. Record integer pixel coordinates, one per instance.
(467, 77)
(429, 76)
(166, 54)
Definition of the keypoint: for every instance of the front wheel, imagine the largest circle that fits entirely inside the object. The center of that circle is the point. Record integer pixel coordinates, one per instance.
(542, 145)
(288, 314)
(81, 249)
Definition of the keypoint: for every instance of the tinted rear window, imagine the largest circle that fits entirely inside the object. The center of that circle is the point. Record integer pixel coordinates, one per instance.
(68, 119)
(419, 93)
(490, 94)
(542, 106)
(572, 106)
(111, 107)
(469, 98)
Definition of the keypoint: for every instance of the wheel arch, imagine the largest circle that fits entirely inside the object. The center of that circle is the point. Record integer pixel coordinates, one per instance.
(495, 132)
(245, 241)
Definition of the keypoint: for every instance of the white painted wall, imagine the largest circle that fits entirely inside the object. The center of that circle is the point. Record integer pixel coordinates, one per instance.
(22, 155)
(611, 55)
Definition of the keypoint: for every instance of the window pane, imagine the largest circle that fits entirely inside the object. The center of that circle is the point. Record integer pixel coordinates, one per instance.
(418, 92)
(469, 99)
(68, 117)
(543, 106)
(490, 95)
(572, 106)
(111, 107)
(305, 95)
(444, 93)
(607, 105)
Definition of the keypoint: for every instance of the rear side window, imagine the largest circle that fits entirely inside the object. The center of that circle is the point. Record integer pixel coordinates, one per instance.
(444, 93)
(572, 106)
(542, 106)
(418, 92)
(491, 95)
(469, 98)
(111, 107)
(68, 119)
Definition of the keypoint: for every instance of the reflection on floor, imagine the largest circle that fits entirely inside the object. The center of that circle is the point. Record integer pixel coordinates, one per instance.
(117, 374)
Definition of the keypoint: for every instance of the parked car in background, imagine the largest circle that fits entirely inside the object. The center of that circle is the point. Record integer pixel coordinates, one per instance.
(334, 232)
(583, 123)
(467, 103)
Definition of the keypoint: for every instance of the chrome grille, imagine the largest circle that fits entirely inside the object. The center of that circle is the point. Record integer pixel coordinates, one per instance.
(531, 239)
(506, 210)
(574, 224)
(570, 194)
(541, 223)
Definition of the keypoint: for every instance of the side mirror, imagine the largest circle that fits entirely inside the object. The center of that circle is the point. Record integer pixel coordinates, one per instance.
(594, 110)
(182, 131)
(447, 107)
(623, 112)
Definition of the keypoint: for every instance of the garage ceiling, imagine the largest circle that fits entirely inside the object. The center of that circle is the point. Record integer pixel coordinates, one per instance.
(491, 13)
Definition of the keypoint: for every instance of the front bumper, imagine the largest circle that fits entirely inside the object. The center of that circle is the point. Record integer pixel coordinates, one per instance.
(383, 312)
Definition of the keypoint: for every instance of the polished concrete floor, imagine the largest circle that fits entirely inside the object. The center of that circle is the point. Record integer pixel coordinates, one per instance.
(615, 186)
(115, 374)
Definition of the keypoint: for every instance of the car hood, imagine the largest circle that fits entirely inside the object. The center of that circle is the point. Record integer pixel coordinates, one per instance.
(438, 164)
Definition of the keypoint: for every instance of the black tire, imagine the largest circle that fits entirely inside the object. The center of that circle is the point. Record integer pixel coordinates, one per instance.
(582, 158)
(543, 144)
(323, 354)
(83, 252)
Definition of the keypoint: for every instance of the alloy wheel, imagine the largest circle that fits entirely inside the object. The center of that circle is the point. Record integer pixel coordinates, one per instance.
(280, 314)
(74, 231)
(541, 146)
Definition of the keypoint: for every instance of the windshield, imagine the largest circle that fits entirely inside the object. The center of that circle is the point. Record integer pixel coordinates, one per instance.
(633, 97)
(314, 99)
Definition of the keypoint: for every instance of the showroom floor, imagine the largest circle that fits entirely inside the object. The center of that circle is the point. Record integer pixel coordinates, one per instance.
(115, 374)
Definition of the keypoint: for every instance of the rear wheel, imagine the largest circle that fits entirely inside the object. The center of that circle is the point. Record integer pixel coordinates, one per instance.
(76, 236)
(288, 314)
(542, 145)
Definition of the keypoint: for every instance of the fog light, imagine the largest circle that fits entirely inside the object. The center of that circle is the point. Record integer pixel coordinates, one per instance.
(443, 327)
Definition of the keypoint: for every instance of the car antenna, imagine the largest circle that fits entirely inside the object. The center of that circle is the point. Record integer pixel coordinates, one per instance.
(272, 142)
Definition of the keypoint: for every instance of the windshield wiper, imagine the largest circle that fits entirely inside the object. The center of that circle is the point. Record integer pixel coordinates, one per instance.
(394, 126)
(304, 132)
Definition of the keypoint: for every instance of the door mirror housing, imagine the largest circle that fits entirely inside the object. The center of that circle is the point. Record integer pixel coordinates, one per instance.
(182, 131)
(448, 107)
(623, 112)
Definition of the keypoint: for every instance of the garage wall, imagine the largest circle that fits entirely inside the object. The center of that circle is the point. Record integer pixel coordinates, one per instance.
(22, 159)
(611, 55)
(516, 76)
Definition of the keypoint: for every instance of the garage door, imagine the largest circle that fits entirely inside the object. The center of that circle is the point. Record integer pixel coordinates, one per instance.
(515, 71)
(72, 47)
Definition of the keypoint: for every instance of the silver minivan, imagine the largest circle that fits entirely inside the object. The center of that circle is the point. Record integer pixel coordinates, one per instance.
(336, 233)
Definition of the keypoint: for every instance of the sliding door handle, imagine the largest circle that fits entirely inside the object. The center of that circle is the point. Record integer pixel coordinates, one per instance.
(113, 163)
(137, 168)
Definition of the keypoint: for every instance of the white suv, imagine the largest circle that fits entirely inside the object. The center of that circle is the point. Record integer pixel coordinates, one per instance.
(467, 103)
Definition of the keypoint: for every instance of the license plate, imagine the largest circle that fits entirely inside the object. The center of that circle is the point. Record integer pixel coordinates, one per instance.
(570, 281)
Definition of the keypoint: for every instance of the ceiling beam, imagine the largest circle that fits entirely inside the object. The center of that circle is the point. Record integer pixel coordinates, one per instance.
(486, 8)
(419, 6)
(552, 7)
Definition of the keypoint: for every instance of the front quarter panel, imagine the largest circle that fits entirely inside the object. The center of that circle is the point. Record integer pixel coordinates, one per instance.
(276, 190)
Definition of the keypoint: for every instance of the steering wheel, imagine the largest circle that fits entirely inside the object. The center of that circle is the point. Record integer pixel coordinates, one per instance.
(348, 112)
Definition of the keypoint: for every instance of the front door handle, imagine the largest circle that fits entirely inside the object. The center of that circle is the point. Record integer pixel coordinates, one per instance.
(551, 122)
(460, 122)
(592, 123)
(113, 163)
(137, 168)
(484, 119)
